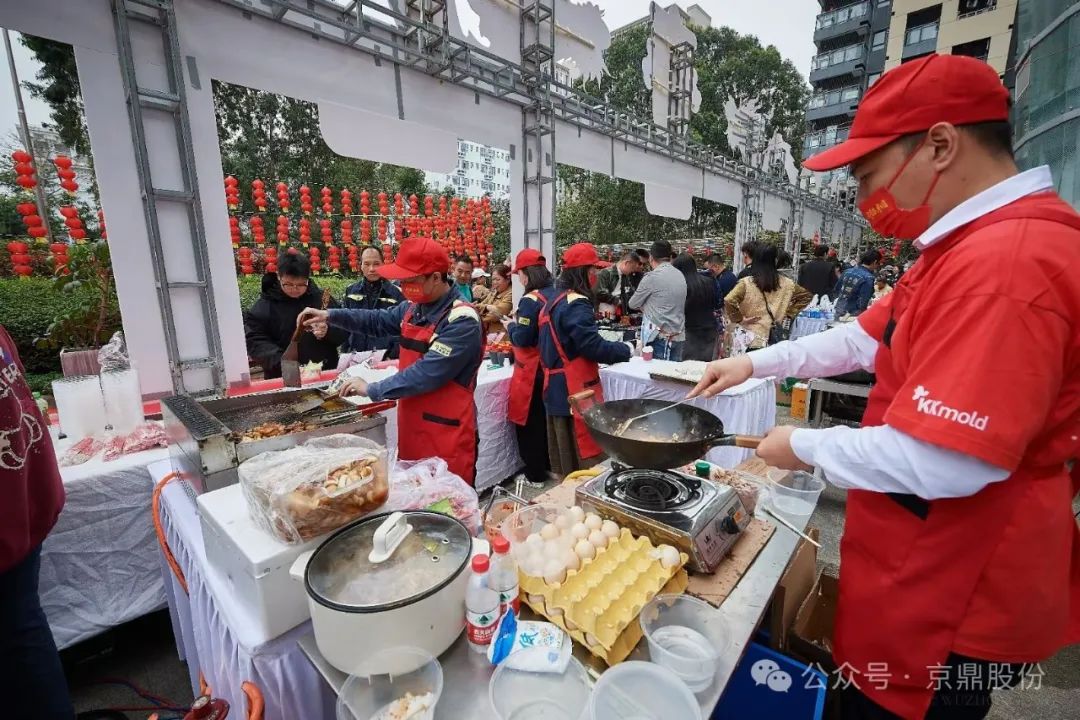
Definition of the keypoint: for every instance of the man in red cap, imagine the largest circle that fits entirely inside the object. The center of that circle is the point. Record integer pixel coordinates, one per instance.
(441, 348)
(960, 559)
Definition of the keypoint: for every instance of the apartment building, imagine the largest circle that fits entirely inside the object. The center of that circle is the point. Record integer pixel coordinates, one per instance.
(851, 38)
(979, 28)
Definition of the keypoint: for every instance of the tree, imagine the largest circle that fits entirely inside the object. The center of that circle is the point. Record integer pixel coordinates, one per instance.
(58, 86)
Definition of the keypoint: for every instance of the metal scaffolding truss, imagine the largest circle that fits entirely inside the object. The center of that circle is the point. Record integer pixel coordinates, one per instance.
(361, 25)
(680, 88)
(538, 124)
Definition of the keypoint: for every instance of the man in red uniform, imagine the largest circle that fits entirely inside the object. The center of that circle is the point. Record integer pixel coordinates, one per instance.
(441, 350)
(960, 560)
(32, 681)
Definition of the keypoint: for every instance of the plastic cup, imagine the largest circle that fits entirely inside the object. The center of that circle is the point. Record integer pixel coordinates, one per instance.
(685, 635)
(528, 520)
(795, 493)
(526, 695)
(387, 677)
(637, 690)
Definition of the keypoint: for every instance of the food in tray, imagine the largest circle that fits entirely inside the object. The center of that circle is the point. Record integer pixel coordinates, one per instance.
(407, 707)
(265, 430)
(744, 487)
(347, 492)
(687, 371)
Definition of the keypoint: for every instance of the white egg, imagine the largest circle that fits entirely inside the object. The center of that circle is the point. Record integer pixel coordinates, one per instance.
(553, 549)
(579, 531)
(571, 559)
(669, 556)
(534, 540)
(598, 539)
(585, 550)
(577, 514)
(554, 572)
(549, 532)
(534, 566)
(610, 529)
(593, 521)
(564, 521)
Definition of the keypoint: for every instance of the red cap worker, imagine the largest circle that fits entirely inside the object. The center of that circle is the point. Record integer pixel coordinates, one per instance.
(441, 348)
(960, 558)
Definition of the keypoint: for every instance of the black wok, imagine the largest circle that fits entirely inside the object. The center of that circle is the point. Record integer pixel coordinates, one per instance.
(660, 441)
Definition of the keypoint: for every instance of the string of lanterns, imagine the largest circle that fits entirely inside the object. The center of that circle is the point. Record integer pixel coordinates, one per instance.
(462, 226)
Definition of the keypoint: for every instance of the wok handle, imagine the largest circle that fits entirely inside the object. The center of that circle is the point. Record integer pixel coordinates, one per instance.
(750, 442)
(577, 401)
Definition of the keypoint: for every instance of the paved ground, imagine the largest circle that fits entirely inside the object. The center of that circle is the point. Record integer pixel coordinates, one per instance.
(143, 652)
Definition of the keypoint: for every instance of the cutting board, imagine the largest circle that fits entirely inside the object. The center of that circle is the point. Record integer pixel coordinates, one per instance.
(713, 588)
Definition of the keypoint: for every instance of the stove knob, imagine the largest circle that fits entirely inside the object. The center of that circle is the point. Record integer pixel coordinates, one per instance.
(730, 526)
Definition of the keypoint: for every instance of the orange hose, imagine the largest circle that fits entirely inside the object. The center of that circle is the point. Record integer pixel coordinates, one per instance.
(155, 507)
(255, 700)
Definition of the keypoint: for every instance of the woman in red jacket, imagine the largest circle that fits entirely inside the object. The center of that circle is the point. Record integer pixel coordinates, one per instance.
(31, 678)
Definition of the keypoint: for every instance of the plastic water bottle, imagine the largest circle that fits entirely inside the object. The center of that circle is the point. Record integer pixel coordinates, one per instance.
(481, 606)
(503, 576)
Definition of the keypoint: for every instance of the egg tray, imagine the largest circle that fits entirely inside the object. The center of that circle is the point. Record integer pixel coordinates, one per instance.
(598, 603)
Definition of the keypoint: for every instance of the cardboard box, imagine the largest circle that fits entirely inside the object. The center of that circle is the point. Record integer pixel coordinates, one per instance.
(795, 586)
(811, 637)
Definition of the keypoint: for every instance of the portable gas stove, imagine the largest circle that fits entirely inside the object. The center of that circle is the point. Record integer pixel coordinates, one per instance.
(700, 517)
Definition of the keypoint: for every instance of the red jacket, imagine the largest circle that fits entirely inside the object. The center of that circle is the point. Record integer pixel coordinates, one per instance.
(30, 484)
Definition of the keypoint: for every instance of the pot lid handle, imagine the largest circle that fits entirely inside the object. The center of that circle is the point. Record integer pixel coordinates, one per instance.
(387, 538)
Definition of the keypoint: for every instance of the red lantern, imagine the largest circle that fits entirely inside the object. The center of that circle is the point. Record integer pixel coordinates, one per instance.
(399, 204)
(346, 202)
(234, 230)
(36, 232)
(21, 156)
(305, 200)
(66, 174)
(326, 232)
(381, 228)
(24, 169)
(365, 230)
(258, 232)
(346, 232)
(365, 202)
(271, 255)
(384, 207)
(414, 205)
(23, 270)
(399, 229)
(232, 192)
(283, 230)
(442, 204)
(282, 196)
(258, 195)
(327, 201)
(26, 181)
(305, 231)
(429, 205)
(69, 211)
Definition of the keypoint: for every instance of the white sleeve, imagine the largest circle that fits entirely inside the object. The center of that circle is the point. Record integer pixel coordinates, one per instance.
(837, 350)
(883, 459)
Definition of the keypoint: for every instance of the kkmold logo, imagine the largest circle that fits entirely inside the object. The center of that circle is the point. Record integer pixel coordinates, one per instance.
(928, 406)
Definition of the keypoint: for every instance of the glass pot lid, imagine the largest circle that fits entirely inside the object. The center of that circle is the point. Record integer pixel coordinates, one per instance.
(423, 552)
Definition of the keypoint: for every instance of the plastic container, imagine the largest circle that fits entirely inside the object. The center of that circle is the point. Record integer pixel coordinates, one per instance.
(638, 690)
(123, 400)
(481, 606)
(767, 684)
(685, 635)
(370, 695)
(528, 520)
(795, 493)
(503, 575)
(79, 406)
(525, 695)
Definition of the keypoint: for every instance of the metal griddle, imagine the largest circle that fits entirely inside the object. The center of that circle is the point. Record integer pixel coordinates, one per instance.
(204, 442)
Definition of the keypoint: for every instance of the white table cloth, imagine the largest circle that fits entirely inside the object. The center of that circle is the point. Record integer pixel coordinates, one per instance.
(497, 457)
(747, 409)
(214, 634)
(99, 565)
(808, 326)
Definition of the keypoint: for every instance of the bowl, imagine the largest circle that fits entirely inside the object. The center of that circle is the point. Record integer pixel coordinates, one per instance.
(373, 693)
(636, 690)
(795, 493)
(526, 695)
(685, 635)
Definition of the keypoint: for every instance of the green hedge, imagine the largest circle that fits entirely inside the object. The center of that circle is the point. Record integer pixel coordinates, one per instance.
(27, 307)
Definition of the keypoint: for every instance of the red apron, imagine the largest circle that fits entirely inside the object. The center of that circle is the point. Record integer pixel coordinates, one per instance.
(580, 374)
(912, 569)
(440, 423)
(522, 384)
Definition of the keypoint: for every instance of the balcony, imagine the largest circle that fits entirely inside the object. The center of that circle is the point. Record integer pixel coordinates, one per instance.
(837, 63)
(920, 41)
(820, 140)
(830, 103)
(842, 21)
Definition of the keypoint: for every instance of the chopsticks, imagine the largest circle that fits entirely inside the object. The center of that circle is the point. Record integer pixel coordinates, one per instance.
(767, 510)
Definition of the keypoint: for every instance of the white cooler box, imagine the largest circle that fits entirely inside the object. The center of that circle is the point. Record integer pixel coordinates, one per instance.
(255, 563)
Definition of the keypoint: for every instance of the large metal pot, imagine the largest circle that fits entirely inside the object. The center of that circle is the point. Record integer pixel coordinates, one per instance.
(386, 581)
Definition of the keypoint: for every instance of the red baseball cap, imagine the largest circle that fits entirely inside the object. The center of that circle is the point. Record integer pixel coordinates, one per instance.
(416, 256)
(529, 257)
(915, 96)
(582, 255)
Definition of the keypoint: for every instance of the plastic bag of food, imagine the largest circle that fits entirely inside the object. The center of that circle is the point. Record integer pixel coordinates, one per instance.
(114, 447)
(315, 488)
(429, 484)
(113, 354)
(82, 451)
(144, 437)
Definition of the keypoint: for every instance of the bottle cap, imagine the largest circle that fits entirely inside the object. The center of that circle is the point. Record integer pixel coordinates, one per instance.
(500, 545)
(480, 564)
